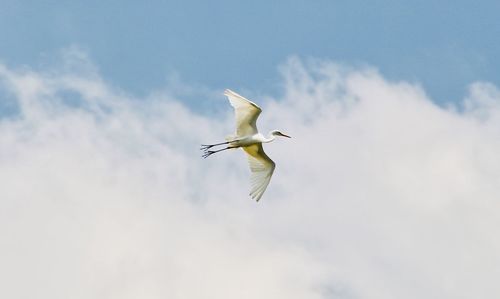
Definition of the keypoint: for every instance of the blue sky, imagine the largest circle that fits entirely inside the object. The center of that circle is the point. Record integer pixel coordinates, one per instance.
(383, 191)
(442, 45)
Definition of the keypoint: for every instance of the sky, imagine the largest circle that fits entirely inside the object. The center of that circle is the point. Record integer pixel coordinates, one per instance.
(388, 188)
(444, 45)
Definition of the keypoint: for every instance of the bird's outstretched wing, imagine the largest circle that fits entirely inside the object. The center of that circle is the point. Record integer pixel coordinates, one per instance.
(246, 113)
(262, 168)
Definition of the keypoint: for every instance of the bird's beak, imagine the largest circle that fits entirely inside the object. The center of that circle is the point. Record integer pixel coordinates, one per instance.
(285, 135)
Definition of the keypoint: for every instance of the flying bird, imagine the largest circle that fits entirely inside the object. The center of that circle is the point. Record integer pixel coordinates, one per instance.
(250, 140)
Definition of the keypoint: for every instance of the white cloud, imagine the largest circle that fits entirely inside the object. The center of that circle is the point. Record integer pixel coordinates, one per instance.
(380, 193)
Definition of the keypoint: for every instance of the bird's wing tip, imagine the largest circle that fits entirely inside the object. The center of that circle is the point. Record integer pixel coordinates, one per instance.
(234, 98)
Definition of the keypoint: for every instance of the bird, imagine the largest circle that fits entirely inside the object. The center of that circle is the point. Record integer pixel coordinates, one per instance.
(250, 140)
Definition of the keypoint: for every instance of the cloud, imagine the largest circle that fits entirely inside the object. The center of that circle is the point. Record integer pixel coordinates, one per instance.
(380, 194)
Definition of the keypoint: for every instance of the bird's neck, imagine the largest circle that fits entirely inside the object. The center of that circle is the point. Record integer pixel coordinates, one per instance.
(270, 138)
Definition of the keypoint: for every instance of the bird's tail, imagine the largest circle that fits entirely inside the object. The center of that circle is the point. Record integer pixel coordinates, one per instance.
(230, 137)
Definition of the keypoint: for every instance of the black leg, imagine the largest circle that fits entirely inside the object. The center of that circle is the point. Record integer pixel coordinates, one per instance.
(205, 147)
(208, 153)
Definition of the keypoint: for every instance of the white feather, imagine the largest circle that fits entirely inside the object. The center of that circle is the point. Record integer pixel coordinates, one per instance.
(261, 167)
(246, 113)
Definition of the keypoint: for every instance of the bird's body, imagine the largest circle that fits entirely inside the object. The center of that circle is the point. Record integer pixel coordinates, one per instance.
(250, 140)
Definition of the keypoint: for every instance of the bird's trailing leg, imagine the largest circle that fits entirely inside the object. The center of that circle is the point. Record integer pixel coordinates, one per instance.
(206, 147)
(208, 153)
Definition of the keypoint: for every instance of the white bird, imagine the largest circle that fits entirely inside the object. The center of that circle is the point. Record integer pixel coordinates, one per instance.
(250, 140)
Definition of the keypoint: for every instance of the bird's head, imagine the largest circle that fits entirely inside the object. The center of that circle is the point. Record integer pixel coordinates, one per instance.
(278, 133)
